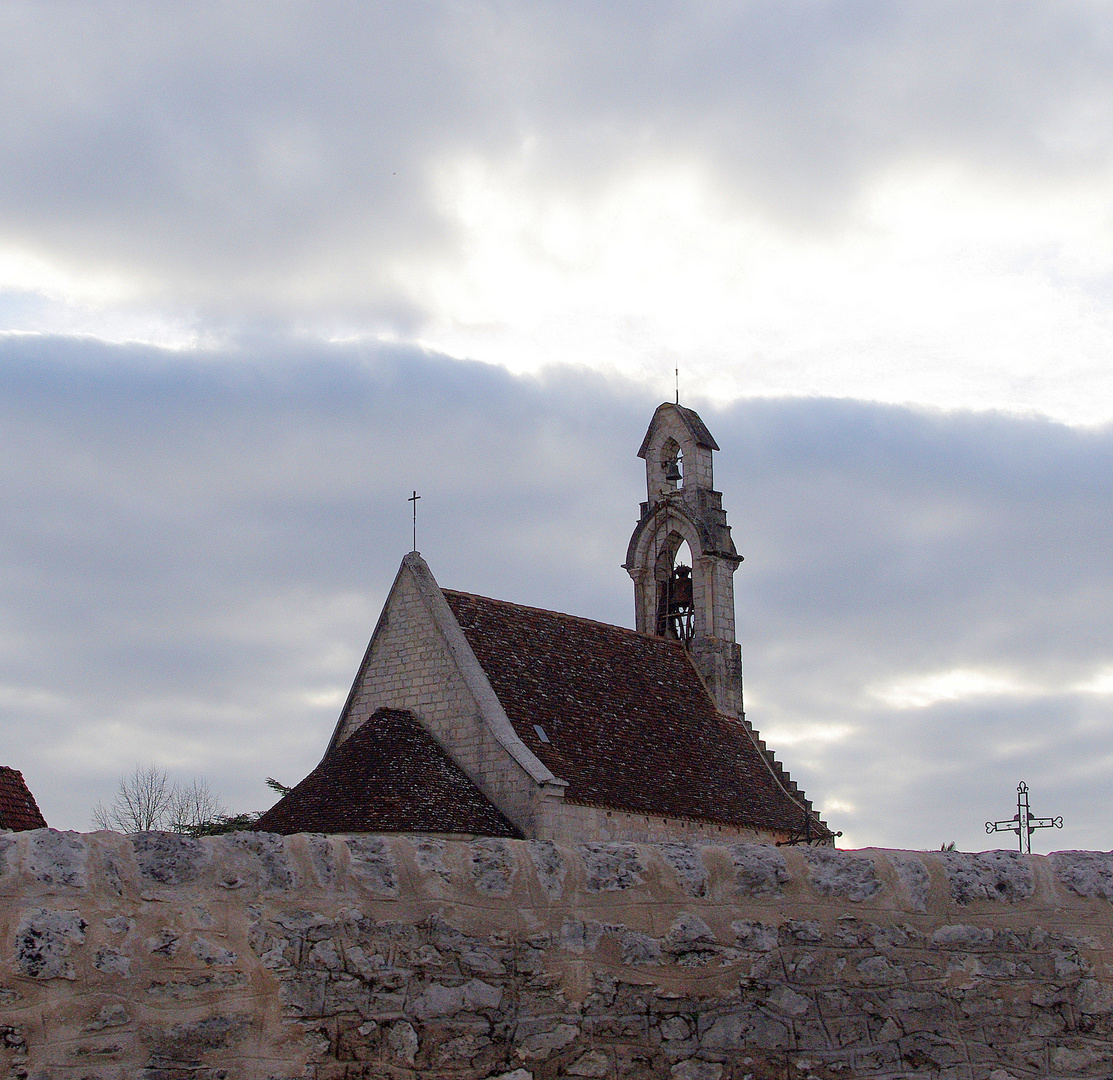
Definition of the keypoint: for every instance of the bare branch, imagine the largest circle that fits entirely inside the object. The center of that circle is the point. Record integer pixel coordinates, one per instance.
(102, 819)
(146, 801)
(192, 805)
(141, 803)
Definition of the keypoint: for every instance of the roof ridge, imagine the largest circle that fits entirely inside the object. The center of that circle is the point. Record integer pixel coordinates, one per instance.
(567, 615)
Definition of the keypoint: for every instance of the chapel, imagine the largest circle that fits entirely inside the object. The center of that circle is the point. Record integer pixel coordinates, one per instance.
(471, 716)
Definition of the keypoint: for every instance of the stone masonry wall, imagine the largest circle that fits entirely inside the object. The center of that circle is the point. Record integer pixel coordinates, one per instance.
(255, 956)
(563, 822)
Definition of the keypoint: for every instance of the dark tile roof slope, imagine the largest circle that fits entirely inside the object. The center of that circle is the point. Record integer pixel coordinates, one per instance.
(388, 776)
(630, 724)
(18, 809)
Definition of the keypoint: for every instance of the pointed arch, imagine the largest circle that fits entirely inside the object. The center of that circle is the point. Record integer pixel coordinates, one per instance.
(664, 519)
(675, 597)
(665, 602)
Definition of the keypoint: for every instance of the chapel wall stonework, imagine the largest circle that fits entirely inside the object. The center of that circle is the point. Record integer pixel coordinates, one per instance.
(254, 956)
(568, 823)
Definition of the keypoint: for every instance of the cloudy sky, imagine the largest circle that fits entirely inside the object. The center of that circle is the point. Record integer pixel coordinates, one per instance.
(266, 268)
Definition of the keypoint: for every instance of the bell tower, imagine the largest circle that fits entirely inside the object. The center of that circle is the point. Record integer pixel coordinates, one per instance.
(693, 604)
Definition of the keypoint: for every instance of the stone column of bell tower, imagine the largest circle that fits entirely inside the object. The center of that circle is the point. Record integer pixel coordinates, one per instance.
(683, 505)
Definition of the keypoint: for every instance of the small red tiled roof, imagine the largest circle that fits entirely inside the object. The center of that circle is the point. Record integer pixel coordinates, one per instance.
(388, 776)
(629, 723)
(18, 809)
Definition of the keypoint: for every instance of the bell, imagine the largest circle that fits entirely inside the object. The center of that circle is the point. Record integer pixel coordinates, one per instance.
(672, 473)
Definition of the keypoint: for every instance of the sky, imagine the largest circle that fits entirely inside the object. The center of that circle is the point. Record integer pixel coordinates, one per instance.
(267, 268)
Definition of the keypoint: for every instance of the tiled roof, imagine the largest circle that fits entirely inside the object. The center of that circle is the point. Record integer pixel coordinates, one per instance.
(388, 776)
(18, 809)
(629, 723)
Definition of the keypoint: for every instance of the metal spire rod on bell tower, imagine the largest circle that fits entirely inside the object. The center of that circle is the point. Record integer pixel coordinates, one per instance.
(413, 499)
(676, 372)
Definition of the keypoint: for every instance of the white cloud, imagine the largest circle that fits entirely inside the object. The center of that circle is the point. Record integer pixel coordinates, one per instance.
(907, 204)
(921, 691)
(806, 734)
(1100, 683)
(938, 288)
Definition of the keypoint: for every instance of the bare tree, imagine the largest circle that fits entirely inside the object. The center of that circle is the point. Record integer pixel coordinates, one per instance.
(192, 806)
(142, 802)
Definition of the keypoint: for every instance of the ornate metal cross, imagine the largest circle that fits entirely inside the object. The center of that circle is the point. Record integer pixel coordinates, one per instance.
(413, 499)
(1024, 824)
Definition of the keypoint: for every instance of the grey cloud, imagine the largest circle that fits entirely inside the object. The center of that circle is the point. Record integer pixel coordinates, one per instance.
(799, 104)
(194, 548)
(884, 544)
(903, 509)
(285, 156)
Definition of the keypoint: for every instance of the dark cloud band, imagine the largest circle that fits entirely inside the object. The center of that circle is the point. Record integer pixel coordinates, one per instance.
(194, 546)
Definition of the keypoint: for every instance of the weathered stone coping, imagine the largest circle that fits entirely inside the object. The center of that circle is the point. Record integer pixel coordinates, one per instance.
(538, 876)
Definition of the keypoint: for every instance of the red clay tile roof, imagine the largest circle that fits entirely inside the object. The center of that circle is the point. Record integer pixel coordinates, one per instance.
(18, 809)
(629, 722)
(388, 776)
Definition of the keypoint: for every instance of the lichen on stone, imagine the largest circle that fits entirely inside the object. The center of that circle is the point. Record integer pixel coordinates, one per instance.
(57, 858)
(492, 867)
(687, 864)
(759, 870)
(611, 867)
(429, 856)
(839, 874)
(549, 864)
(1085, 873)
(263, 856)
(168, 858)
(44, 940)
(372, 865)
(1003, 876)
(914, 878)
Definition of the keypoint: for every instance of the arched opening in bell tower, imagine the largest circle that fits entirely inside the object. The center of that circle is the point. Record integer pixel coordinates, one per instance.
(675, 593)
(672, 464)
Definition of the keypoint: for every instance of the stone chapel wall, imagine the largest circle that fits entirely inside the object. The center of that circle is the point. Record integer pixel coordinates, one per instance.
(256, 956)
(568, 822)
(410, 667)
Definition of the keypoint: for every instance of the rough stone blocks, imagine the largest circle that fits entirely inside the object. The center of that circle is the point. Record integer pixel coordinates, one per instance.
(414, 957)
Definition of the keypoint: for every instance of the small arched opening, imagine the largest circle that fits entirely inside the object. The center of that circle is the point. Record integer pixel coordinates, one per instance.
(675, 593)
(672, 465)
